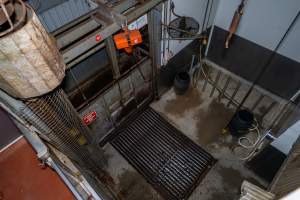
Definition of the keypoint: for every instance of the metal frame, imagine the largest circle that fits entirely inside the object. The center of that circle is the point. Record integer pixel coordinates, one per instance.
(77, 40)
(155, 32)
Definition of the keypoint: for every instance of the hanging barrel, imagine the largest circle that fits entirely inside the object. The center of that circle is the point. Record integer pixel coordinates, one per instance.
(30, 63)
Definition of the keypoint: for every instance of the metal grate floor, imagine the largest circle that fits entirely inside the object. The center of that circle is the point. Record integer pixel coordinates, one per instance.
(171, 162)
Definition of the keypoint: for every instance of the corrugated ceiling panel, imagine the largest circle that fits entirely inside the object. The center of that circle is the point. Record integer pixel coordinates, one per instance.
(61, 14)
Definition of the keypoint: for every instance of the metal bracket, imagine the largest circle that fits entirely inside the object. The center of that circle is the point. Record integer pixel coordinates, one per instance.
(110, 15)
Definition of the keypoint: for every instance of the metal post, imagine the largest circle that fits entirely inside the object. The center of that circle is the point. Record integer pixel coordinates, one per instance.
(215, 84)
(112, 54)
(234, 93)
(260, 98)
(154, 28)
(224, 88)
(206, 76)
(51, 163)
(269, 108)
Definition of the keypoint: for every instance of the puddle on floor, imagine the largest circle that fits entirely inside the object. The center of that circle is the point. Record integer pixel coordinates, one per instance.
(211, 121)
(183, 103)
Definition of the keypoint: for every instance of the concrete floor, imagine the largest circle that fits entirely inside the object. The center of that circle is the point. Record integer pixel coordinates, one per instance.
(202, 119)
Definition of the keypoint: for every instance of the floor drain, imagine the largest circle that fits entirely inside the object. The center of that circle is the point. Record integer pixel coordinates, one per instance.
(171, 162)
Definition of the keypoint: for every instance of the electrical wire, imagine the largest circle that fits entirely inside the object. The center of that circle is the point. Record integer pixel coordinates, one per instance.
(251, 144)
(255, 145)
(172, 8)
(269, 60)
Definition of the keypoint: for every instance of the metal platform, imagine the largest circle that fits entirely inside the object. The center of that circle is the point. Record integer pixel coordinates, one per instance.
(172, 163)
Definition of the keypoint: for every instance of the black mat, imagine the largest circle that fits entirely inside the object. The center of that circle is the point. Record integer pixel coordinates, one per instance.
(267, 163)
(172, 163)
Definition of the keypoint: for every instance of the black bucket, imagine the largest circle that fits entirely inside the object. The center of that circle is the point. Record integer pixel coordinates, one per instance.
(241, 122)
(182, 83)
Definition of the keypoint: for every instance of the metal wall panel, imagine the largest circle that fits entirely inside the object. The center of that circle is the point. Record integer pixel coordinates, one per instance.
(61, 14)
(288, 177)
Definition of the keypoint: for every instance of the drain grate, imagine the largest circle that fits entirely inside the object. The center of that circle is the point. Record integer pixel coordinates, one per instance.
(170, 162)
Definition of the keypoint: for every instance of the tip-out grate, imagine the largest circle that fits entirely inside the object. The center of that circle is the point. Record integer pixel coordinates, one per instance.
(172, 163)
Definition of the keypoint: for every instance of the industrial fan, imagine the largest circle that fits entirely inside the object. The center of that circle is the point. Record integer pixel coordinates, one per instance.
(182, 26)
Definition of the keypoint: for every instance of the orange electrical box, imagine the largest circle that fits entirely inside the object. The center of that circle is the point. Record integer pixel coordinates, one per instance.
(128, 39)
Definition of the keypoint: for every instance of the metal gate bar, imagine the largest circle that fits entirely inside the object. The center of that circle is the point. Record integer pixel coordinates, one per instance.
(171, 162)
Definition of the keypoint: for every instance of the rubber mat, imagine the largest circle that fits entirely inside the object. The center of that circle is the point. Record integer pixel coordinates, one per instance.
(171, 162)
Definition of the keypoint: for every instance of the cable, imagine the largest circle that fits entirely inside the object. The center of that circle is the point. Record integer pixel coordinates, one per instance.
(270, 59)
(250, 144)
(254, 145)
(172, 8)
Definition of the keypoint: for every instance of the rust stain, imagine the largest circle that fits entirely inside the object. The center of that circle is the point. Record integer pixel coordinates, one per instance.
(211, 121)
(184, 103)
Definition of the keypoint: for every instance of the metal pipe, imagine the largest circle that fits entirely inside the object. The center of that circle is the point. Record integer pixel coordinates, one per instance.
(206, 79)
(234, 93)
(257, 102)
(165, 4)
(192, 63)
(13, 106)
(224, 88)
(51, 163)
(284, 108)
(215, 84)
(40, 148)
(269, 108)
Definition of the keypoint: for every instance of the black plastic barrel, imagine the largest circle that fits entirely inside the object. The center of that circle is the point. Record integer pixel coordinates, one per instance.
(241, 122)
(181, 83)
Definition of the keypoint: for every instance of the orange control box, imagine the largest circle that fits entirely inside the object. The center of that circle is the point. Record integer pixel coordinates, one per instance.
(128, 39)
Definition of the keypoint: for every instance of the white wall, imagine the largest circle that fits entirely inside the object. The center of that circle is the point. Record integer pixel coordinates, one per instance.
(264, 22)
(191, 8)
(286, 140)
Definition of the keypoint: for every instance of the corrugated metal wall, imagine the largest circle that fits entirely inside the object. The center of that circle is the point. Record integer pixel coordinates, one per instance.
(61, 13)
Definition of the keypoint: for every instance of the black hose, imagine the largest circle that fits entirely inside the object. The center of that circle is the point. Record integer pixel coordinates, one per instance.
(172, 8)
(270, 59)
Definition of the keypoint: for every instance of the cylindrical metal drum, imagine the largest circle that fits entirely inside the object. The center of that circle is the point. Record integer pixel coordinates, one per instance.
(30, 63)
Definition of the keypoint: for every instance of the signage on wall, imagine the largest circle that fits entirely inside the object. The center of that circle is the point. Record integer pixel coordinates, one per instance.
(89, 118)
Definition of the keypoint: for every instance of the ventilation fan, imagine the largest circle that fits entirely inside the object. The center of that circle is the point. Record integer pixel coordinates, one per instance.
(182, 26)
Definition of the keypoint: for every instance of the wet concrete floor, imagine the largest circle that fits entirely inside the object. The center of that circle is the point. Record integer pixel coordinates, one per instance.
(202, 118)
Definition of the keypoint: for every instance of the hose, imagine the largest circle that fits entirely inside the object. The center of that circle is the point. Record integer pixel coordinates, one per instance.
(251, 144)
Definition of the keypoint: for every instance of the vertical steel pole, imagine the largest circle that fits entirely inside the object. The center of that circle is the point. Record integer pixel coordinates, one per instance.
(112, 54)
(224, 88)
(234, 93)
(215, 84)
(154, 28)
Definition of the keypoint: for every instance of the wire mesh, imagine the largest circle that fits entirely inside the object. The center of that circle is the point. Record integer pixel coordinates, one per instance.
(54, 117)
